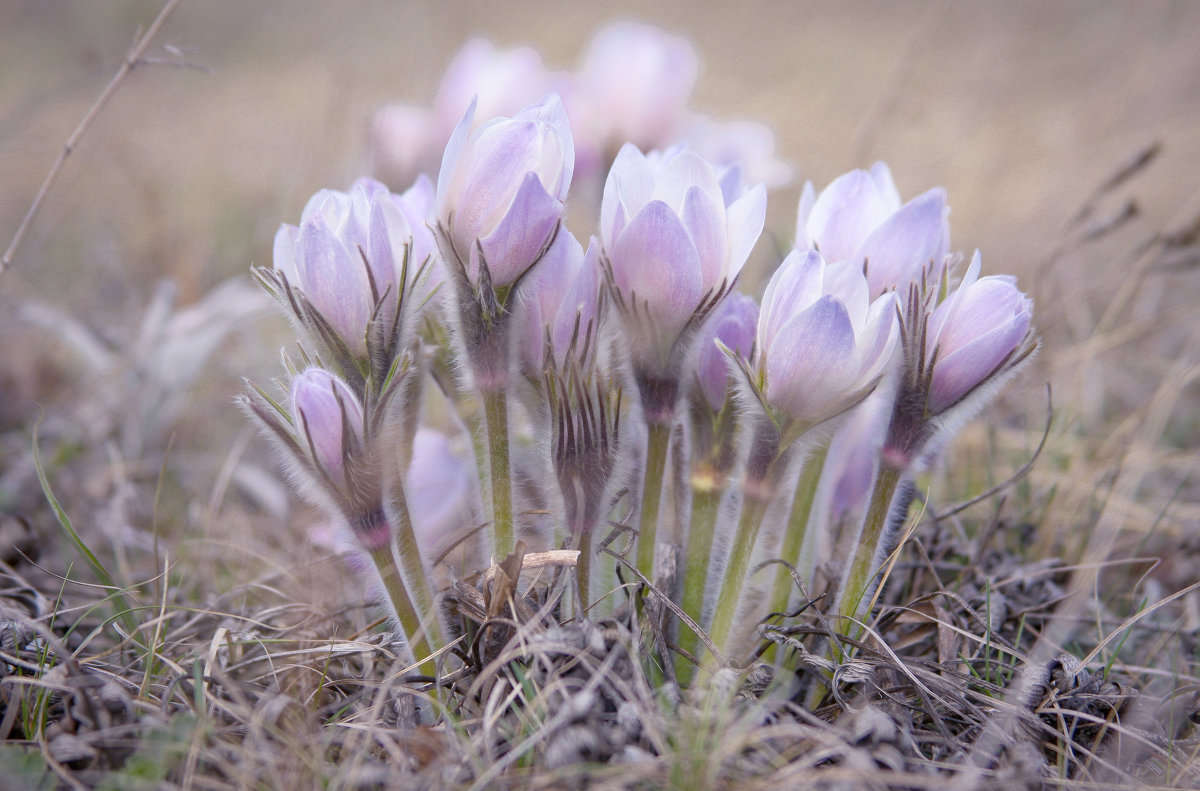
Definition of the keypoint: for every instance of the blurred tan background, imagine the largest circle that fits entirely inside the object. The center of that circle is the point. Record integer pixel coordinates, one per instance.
(1020, 109)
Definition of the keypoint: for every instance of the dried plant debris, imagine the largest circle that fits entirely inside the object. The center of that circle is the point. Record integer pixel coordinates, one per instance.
(938, 695)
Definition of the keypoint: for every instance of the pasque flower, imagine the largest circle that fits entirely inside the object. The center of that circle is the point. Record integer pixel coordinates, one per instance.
(559, 306)
(714, 425)
(416, 204)
(501, 189)
(822, 343)
(499, 205)
(349, 251)
(822, 347)
(954, 355)
(674, 246)
(558, 314)
(859, 218)
(674, 249)
(974, 335)
(732, 326)
(953, 352)
(330, 442)
(334, 438)
(329, 420)
(854, 454)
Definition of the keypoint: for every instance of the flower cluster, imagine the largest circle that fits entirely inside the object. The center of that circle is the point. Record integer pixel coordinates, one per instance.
(632, 370)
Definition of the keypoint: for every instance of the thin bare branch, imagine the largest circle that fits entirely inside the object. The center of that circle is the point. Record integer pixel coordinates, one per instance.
(132, 58)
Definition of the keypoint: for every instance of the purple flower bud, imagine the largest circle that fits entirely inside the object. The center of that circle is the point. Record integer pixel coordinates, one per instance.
(637, 81)
(974, 334)
(323, 410)
(560, 295)
(822, 346)
(671, 239)
(858, 218)
(503, 186)
(347, 252)
(844, 214)
(733, 324)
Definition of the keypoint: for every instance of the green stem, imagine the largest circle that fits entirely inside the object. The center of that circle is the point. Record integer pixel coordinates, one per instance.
(416, 577)
(742, 549)
(406, 613)
(706, 503)
(657, 445)
(495, 408)
(583, 572)
(797, 528)
(859, 576)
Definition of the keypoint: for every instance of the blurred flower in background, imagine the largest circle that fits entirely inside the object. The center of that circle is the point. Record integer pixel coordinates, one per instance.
(634, 85)
(746, 146)
(407, 140)
(442, 491)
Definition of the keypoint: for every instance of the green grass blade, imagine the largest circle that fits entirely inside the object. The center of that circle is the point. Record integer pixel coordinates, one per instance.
(121, 609)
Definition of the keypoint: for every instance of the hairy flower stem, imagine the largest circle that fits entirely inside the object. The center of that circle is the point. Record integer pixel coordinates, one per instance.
(753, 509)
(767, 463)
(495, 409)
(475, 428)
(413, 571)
(416, 576)
(583, 572)
(706, 504)
(858, 577)
(657, 446)
(797, 529)
(406, 613)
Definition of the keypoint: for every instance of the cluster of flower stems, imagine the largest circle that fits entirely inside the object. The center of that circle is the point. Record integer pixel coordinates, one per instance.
(626, 400)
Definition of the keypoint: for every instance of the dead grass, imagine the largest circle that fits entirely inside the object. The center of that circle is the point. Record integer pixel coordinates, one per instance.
(258, 687)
